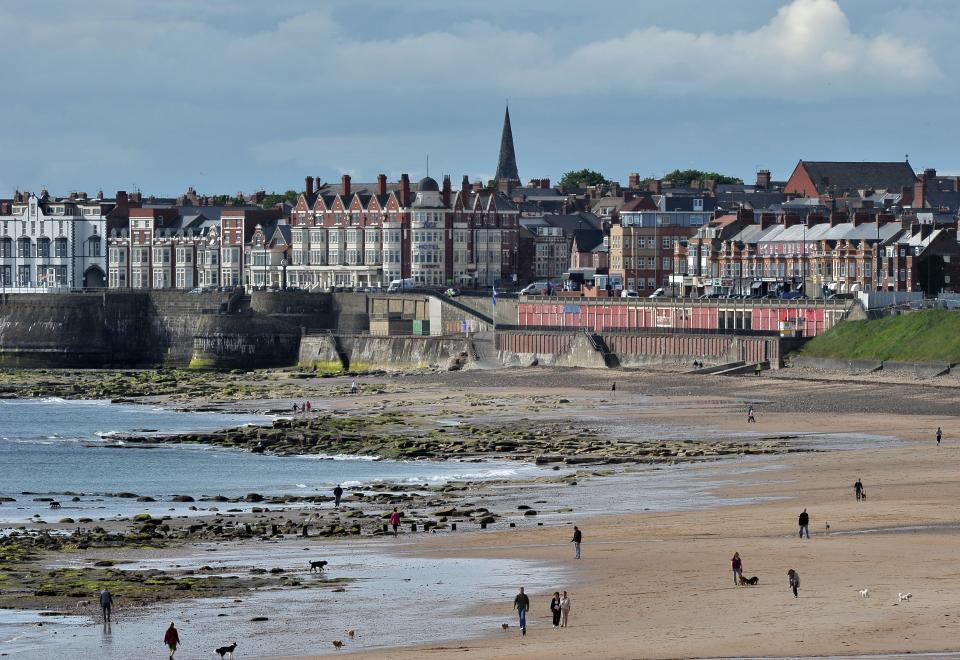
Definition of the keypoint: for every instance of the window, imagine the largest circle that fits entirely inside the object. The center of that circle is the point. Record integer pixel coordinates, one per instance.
(60, 248)
(161, 255)
(6, 248)
(6, 276)
(23, 248)
(23, 275)
(93, 245)
(184, 255)
(43, 247)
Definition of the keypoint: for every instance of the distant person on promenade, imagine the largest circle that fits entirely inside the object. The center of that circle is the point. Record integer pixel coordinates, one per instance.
(353, 387)
(395, 520)
(794, 579)
(750, 418)
(337, 494)
(613, 388)
(106, 603)
(555, 609)
(804, 521)
(296, 408)
(577, 538)
(759, 368)
(737, 565)
(858, 489)
(564, 610)
(939, 436)
(172, 640)
(521, 604)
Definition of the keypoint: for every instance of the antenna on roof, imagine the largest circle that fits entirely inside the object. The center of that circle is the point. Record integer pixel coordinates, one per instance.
(428, 164)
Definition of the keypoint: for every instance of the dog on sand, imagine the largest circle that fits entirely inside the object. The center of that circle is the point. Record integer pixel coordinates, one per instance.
(317, 566)
(748, 582)
(351, 633)
(224, 650)
(504, 626)
(337, 644)
(901, 597)
(864, 593)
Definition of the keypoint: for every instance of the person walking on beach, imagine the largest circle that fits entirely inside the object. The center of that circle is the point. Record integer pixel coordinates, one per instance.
(337, 494)
(577, 538)
(308, 406)
(858, 489)
(395, 520)
(106, 603)
(750, 417)
(296, 409)
(737, 568)
(939, 435)
(521, 604)
(564, 610)
(555, 609)
(804, 521)
(759, 369)
(353, 387)
(794, 579)
(172, 640)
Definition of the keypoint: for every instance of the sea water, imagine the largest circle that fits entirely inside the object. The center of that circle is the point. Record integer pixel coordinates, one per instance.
(51, 446)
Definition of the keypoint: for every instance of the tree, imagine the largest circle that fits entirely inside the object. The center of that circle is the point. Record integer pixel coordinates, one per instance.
(682, 178)
(272, 199)
(576, 178)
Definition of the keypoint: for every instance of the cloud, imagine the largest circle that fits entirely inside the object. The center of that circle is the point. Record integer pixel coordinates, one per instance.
(807, 50)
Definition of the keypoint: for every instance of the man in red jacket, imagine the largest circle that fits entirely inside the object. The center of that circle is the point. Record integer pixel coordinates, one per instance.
(172, 640)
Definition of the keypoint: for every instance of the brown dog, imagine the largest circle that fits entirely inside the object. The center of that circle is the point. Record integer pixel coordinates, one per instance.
(337, 644)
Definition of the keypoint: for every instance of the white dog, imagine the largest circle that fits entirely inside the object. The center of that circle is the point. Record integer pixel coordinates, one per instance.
(904, 597)
(864, 593)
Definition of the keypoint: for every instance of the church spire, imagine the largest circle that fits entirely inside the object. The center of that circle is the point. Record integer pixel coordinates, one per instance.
(507, 163)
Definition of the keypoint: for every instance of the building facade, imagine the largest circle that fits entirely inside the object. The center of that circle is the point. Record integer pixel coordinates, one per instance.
(49, 244)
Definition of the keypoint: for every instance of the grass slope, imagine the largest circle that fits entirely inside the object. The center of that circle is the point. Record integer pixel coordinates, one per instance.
(929, 336)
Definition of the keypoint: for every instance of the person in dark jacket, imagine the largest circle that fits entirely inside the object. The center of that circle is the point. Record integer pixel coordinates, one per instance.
(577, 537)
(794, 579)
(106, 603)
(337, 494)
(172, 640)
(858, 489)
(804, 521)
(521, 604)
(737, 565)
(555, 609)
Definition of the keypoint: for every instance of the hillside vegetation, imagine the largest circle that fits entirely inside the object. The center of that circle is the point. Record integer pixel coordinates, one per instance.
(928, 336)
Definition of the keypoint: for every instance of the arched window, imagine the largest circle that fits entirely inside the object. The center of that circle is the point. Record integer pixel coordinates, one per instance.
(43, 247)
(23, 247)
(93, 246)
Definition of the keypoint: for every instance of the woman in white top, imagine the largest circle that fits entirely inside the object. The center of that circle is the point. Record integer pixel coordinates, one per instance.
(564, 609)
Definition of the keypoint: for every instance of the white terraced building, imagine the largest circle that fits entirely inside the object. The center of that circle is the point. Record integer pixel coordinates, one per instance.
(49, 244)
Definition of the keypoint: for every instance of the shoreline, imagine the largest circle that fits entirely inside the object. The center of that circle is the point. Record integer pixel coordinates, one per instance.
(677, 407)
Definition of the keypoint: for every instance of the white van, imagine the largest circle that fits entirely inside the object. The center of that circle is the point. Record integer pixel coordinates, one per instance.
(659, 293)
(534, 289)
(401, 285)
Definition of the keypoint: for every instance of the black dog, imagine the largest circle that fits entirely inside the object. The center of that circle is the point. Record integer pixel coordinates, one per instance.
(317, 565)
(752, 581)
(223, 650)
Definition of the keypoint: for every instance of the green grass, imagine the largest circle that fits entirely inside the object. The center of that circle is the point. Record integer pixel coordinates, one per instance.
(929, 336)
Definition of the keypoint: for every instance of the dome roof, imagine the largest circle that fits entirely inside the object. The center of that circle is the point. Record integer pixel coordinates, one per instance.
(428, 184)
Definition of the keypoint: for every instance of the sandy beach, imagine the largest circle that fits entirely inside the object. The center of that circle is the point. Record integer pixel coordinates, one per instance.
(659, 585)
(652, 583)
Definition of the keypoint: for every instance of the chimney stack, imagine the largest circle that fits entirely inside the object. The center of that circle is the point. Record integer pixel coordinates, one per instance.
(860, 218)
(445, 194)
(465, 185)
(790, 219)
(763, 179)
(345, 185)
(655, 186)
(634, 180)
(404, 190)
(381, 185)
(309, 185)
(837, 217)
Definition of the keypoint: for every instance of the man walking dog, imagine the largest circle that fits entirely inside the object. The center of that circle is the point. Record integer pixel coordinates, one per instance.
(804, 521)
(521, 604)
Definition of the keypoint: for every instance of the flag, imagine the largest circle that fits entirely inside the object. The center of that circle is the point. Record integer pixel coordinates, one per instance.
(494, 296)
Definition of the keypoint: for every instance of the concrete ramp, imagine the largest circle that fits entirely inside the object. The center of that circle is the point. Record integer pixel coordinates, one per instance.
(706, 371)
(742, 370)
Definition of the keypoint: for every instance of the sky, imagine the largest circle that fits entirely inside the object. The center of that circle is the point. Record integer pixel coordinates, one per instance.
(242, 95)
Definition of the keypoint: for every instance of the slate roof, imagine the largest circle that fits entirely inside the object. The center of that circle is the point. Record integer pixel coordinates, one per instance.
(830, 176)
